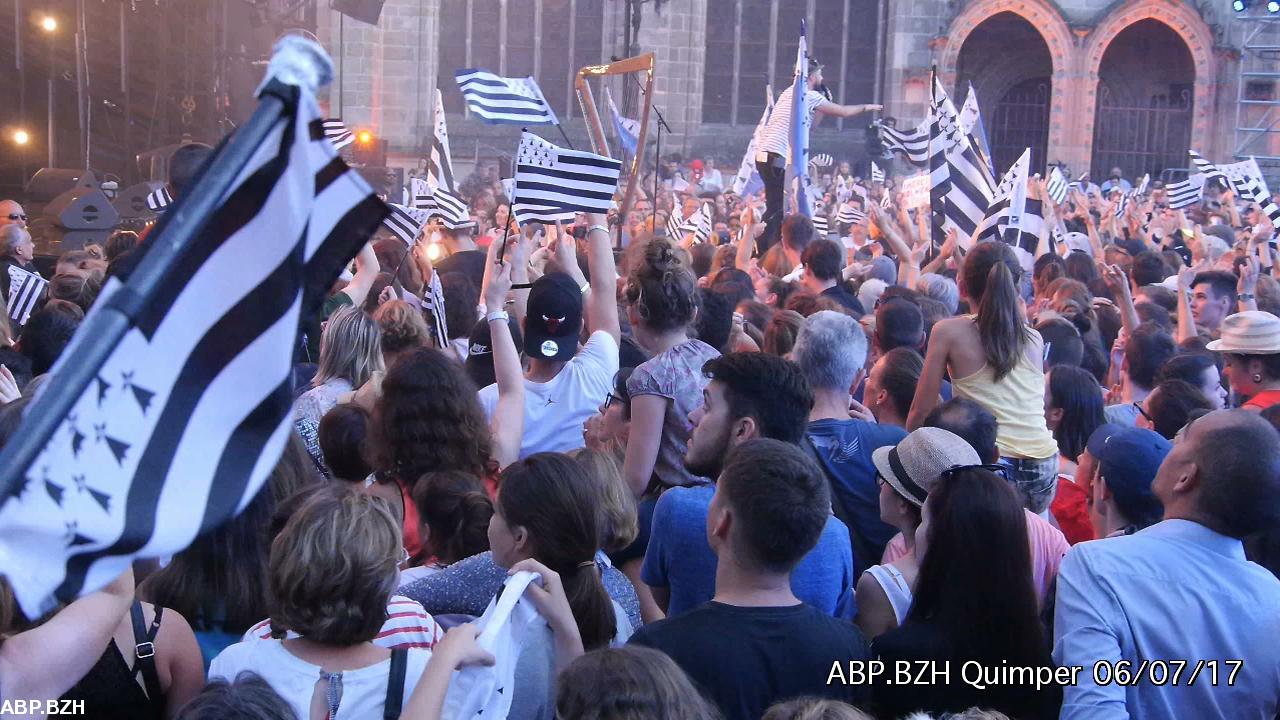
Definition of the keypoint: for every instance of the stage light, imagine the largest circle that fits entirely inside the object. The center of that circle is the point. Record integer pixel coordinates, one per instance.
(364, 137)
(49, 23)
(1273, 7)
(21, 137)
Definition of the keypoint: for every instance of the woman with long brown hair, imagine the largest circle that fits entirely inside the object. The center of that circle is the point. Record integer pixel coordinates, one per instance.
(995, 358)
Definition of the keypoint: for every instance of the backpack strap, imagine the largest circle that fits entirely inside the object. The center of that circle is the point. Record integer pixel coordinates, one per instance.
(395, 684)
(145, 652)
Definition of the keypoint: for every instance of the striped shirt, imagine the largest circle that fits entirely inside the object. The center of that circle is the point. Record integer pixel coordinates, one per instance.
(408, 625)
(775, 136)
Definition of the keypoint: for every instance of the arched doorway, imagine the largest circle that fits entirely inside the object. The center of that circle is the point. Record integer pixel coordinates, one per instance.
(1009, 65)
(1146, 85)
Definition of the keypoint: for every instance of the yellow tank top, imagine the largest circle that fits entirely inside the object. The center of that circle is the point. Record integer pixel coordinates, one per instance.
(1017, 401)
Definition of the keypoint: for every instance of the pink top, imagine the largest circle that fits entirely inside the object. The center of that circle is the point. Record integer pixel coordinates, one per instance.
(1048, 545)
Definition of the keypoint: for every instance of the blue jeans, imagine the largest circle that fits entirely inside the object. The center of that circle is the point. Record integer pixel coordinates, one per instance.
(1035, 480)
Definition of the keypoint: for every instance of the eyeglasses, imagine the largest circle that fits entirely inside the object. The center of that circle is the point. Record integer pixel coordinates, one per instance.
(996, 468)
(17, 216)
(610, 399)
(1137, 405)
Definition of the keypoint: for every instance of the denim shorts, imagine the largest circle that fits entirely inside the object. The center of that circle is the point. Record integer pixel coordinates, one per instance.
(1035, 480)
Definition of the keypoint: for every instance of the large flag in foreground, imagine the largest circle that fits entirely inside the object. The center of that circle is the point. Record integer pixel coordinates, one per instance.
(498, 99)
(553, 183)
(171, 405)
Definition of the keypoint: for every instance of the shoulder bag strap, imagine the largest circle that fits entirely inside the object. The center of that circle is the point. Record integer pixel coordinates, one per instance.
(395, 684)
(145, 652)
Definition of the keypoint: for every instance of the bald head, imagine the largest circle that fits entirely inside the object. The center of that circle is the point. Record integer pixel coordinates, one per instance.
(11, 213)
(1224, 473)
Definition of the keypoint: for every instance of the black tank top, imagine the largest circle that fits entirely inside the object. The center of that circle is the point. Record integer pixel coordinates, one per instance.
(110, 690)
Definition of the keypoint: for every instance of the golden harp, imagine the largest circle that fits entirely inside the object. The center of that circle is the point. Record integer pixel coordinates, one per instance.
(638, 64)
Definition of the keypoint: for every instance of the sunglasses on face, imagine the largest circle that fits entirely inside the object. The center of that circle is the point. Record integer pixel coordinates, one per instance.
(16, 217)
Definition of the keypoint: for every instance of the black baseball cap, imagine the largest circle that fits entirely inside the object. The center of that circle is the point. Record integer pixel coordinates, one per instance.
(479, 362)
(553, 320)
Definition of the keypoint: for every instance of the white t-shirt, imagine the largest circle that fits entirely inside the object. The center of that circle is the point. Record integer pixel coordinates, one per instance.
(555, 411)
(363, 691)
(775, 137)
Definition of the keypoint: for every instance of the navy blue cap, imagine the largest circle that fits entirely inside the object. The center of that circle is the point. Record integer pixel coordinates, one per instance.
(1100, 436)
(1128, 461)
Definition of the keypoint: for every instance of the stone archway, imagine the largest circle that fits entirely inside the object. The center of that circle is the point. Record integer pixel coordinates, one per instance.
(1007, 62)
(1183, 20)
(1044, 18)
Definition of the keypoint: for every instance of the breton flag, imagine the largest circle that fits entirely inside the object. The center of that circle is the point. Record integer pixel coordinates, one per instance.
(699, 223)
(25, 289)
(440, 163)
(1143, 184)
(433, 301)
(823, 160)
(1122, 204)
(504, 100)
(877, 175)
(821, 226)
(886, 201)
(748, 181)
(849, 215)
(913, 143)
(961, 187)
(674, 222)
(1186, 193)
(1013, 218)
(553, 183)
(159, 199)
(440, 203)
(1245, 178)
(800, 118)
(627, 130)
(1056, 186)
(971, 125)
(337, 133)
(171, 406)
(405, 223)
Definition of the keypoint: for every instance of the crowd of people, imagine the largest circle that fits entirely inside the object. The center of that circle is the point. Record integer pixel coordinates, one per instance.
(755, 477)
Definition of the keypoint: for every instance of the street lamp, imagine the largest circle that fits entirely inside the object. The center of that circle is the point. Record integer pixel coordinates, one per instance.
(49, 23)
(21, 137)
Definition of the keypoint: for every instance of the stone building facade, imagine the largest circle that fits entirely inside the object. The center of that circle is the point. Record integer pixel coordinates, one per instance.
(1092, 83)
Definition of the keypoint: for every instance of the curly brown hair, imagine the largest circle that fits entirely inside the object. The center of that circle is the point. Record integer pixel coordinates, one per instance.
(333, 567)
(456, 511)
(663, 288)
(429, 419)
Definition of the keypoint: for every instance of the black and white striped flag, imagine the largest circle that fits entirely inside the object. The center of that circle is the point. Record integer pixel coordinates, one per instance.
(1245, 178)
(433, 301)
(1185, 193)
(159, 199)
(451, 209)
(499, 99)
(440, 164)
(877, 175)
(821, 226)
(552, 182)
(1012, 217)
(337, 133)
(823, 160)
(961, 187)
(886, 201)
(177, 428)
(405, 223)
(913, 143)
(674, 221)
(1122, 204)
(1143, 184)
(1056, 186)
(25, 289)
(849, 215)
(699, 223)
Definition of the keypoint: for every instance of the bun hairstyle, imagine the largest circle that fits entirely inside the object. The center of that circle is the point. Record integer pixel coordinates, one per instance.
(663, 288)
(456, 509)
(991, 274)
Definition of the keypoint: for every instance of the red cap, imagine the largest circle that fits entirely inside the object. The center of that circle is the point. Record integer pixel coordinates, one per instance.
(695, 165)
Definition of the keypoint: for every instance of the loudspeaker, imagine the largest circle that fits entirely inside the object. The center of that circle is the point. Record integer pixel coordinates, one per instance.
(82, 209)
(362, 10)
(132, 201)
(49, 183)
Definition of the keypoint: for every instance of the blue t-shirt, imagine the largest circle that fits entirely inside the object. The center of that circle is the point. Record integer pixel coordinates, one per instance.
(680, 559)
(844, 449)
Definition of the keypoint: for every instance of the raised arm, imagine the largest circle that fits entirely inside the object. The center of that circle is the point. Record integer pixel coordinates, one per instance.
(602, 299)
(507, 424)
(935, 364)
(1118, 282)
(751, 229)
(366, 271)
(1186, 322)
(844, 111)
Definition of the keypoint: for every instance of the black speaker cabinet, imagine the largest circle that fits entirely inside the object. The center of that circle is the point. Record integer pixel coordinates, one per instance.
(132, 201)
(82, 209)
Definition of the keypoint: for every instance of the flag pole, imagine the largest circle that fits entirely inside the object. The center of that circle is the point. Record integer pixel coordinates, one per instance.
(100, 334)
(511, 215)
(933, 103)
(565, 135)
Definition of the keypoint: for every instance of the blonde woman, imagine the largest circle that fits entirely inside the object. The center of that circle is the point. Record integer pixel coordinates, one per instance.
(350, 354)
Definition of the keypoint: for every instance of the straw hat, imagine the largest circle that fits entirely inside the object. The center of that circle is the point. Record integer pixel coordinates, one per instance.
(913, 466)
(1252, 332)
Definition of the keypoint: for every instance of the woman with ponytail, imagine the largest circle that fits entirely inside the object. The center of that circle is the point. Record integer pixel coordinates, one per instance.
(995, 358)
(662, 304)
(549, 512)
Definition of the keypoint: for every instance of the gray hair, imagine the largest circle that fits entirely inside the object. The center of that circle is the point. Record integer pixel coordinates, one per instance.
(830, 350)
(10, 236)
(942, 289)
(350, 348)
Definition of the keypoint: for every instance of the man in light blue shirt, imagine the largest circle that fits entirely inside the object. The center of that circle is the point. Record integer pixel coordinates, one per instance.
(1177, 603)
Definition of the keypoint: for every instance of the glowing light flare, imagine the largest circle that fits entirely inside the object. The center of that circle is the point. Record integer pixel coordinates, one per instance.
(21, 137)
(49, 23)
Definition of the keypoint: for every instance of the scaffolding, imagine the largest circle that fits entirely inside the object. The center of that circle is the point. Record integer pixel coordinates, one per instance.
(1257, 126)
